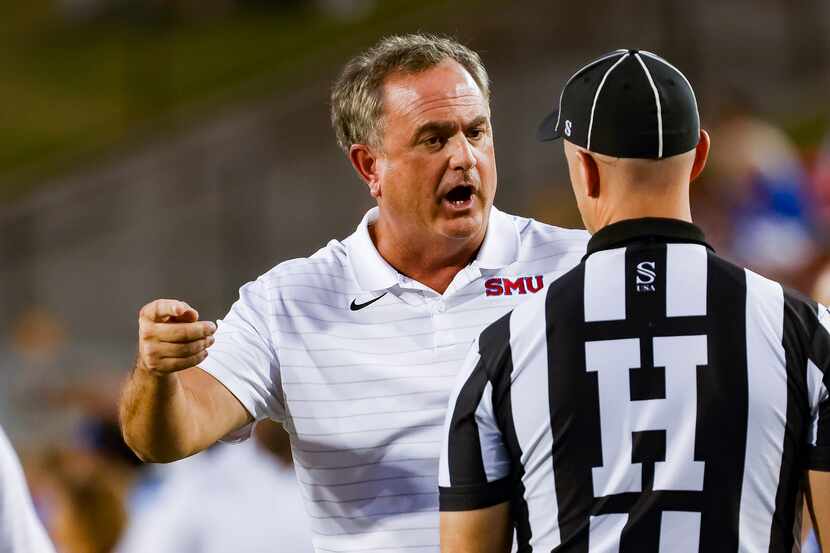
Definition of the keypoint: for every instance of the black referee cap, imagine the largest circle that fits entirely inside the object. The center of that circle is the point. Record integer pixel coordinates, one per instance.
(627, 103)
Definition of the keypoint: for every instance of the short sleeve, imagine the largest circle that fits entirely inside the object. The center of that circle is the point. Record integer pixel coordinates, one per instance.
(474, 470)
(818, 384)
(244, 359)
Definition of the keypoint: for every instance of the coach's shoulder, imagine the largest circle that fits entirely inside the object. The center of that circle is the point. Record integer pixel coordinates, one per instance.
(535, 233)
(329, 262)
(547, 249)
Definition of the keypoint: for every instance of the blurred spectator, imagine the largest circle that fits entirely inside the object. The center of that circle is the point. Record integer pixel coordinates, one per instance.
(821, 191)
(29, 360)
(242, 498)
(20, 529)
(57, 385)
(80, 483)
(96, 430)
(82, 498)
(764, 189)
(821, 290)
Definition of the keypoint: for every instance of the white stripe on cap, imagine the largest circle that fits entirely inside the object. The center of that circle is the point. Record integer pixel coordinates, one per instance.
(596, 97)
(577, 72)
(659, 108)
(661, 60)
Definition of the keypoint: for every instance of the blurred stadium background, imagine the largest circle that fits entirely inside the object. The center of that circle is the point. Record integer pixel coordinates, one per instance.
(178, 148)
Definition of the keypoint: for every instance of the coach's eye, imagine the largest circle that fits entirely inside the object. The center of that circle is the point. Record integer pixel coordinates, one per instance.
(476, 133)
(433, 141)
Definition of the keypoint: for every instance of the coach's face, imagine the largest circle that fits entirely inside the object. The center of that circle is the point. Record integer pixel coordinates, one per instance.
(436, 171)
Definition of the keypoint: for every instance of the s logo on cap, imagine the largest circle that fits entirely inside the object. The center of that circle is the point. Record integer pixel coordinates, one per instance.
(568, 127)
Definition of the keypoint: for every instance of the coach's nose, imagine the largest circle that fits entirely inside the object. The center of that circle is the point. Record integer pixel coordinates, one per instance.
(462, 157)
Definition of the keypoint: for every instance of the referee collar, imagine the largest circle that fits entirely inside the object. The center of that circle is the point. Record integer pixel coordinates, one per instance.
(621, 233)
(373, 273)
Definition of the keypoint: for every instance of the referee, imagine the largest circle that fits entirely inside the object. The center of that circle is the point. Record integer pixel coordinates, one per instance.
(657, 398)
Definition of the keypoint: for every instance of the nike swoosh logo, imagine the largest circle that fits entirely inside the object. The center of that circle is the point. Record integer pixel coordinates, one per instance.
(357, 306)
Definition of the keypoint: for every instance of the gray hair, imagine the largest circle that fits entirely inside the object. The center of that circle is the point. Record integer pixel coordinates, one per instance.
(356, 98)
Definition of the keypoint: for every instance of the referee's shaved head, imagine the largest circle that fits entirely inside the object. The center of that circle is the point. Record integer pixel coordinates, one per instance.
(637, 172)
(610, 189)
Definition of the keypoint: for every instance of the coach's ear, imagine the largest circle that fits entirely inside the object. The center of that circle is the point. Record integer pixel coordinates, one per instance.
(701, 154)
(590, 173)
(365, 162)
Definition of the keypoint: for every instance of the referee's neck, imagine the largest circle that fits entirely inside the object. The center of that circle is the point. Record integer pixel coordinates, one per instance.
(656, 211)
(623, 203)
(633, 188)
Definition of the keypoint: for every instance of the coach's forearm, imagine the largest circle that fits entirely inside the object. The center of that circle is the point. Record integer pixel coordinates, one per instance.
(156, 417)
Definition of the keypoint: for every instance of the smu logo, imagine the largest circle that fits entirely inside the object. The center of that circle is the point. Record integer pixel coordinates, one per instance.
(506, 286)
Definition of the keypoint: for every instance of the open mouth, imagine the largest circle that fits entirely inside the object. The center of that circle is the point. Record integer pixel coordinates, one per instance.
(460, 196)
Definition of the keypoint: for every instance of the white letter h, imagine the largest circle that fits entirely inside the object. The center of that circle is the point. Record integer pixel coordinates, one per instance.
(620, 416)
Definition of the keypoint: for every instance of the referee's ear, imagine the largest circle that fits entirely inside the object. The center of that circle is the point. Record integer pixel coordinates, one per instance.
(590, 173)
(701, 155)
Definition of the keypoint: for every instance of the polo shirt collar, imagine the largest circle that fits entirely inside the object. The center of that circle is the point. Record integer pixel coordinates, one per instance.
(631, 230)
(373, 273)
(501, 242)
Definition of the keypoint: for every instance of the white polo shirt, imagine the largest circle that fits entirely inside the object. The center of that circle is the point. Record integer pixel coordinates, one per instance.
(358, 362)
(20, 529)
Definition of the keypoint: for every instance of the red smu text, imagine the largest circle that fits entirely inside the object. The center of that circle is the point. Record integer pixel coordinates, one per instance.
(506, 286)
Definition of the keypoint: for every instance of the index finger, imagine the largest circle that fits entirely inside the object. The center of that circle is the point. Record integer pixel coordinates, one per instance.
(183, 332)
(160, 310)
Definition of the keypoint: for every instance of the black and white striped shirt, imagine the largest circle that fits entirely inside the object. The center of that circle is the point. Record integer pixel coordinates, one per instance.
(657, 398)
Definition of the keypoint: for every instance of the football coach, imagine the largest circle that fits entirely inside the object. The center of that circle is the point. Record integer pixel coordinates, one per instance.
(656, 398)
(355, 348)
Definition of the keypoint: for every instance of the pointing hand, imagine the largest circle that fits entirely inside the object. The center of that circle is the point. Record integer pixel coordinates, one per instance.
(171, 337)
